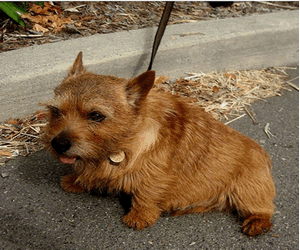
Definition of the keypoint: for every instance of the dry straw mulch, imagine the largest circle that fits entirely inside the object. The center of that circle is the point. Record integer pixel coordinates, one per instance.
(21, 136)
(226, 95)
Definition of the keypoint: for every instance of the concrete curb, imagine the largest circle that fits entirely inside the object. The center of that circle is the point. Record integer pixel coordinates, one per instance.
(29, 75)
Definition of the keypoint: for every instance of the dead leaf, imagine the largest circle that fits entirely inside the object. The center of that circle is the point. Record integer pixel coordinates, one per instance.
(36, 19)
(52, 8)
(66, 20)
(276, 235)
(6, 153)
(57, 29)
(39, 10)
(216, 89)
(53, 21)
(72, 10)
(244, 87)
(39, 28)
(227, 75)
(12, 121)
(57, 22)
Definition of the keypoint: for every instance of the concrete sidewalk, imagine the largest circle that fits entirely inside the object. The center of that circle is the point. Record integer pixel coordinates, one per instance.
(29, 75)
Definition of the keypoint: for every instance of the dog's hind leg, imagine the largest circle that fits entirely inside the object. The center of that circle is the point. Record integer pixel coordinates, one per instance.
(254, 203)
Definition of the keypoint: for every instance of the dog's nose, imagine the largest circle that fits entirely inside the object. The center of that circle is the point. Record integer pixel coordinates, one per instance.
(61, 144)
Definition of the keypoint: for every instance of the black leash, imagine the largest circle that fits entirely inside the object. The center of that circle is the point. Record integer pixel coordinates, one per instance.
(160, 30)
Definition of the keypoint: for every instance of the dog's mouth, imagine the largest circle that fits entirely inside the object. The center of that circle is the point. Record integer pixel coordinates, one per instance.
(67, 159)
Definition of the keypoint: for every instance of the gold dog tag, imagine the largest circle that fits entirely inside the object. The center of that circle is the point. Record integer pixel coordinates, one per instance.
(117, 158)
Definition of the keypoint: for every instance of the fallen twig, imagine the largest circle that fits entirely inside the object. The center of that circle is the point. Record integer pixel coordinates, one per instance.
(285, 68)
(27, 35)
(289, 82)
(235, 119)
(278, 5)
(74, 9)
(293, 85)
(267, 130)
(251, 116)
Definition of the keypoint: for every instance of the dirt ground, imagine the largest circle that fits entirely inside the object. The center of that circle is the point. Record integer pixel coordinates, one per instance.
(58, 21)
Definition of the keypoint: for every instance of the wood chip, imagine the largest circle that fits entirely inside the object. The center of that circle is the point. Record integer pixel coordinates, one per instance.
(39, 28)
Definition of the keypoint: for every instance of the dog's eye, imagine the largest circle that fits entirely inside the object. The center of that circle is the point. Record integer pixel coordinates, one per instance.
(96, 116)
(55, 112)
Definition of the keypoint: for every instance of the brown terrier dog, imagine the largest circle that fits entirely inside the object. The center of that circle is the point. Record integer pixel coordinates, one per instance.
(169, 155)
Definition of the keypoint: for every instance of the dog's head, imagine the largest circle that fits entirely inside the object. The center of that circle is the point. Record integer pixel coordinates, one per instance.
(93, 116)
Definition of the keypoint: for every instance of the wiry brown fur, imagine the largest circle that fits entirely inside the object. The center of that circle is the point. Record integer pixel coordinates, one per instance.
(178, 158)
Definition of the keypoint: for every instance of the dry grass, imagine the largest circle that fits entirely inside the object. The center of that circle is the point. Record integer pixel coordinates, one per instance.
(225, 95)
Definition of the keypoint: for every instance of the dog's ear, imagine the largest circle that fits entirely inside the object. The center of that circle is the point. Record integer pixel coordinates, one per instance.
(77, 67)
(138, 88)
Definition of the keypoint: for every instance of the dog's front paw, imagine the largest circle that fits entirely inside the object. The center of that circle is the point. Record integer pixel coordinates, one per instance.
(68, 184)
(139, 220)
(256, 225)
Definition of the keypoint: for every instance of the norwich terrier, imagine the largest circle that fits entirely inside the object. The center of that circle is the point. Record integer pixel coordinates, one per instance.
(167, 154)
